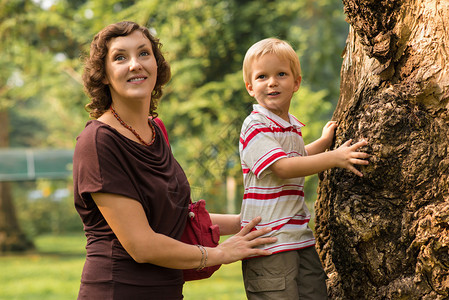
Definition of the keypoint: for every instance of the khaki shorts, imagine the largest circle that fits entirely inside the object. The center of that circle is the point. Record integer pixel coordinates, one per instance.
(285, 276)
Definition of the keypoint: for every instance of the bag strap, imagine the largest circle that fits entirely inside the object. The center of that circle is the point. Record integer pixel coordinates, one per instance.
(162, 127)
(164, 131)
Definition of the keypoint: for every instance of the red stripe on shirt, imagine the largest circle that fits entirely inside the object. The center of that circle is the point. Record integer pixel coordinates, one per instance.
(267, 162)
(253, 133)
(268, 196)
(282, 128)
(291, 222)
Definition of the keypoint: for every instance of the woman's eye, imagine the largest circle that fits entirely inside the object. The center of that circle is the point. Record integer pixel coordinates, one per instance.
(119, 57)
(144, 53)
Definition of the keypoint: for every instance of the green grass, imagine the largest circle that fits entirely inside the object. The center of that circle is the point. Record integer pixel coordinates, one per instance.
(225, 284)
(53, 271)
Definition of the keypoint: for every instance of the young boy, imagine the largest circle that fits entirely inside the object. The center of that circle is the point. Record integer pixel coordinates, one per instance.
(274, 162)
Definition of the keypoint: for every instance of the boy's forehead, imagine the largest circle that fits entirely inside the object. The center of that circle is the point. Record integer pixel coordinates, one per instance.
(275, 59)
(271, 55)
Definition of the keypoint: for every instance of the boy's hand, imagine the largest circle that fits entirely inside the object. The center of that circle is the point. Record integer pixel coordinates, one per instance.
(348, 156)
(328, 133)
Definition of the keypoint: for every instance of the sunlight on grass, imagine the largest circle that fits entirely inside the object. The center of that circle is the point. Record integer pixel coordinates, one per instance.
(53, 273)
(225, 284)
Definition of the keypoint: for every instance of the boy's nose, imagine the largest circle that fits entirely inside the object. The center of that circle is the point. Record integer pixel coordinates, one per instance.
(272, 82)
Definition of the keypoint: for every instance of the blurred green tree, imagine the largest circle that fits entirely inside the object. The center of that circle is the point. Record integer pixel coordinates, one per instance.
(44, 42)
(206, 102)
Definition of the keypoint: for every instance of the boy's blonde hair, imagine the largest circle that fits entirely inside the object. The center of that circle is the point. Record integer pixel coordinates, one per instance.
(270, 46)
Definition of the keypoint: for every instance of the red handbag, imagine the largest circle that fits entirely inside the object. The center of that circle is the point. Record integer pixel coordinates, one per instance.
(199, 229)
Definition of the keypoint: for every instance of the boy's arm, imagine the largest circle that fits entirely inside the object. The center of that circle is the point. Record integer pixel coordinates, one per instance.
(325, 141)
(343, 157)
(228, 223)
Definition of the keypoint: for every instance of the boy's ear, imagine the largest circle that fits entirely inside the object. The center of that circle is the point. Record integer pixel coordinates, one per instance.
(297, 83)
(249, 88)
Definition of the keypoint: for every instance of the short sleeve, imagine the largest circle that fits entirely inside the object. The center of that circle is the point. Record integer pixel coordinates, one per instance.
(258, 147)
(100, 167)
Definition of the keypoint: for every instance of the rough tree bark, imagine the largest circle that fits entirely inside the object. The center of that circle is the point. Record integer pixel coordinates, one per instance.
(12, 237)
(386, 235)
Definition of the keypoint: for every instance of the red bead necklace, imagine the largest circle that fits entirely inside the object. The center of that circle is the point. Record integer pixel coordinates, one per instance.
(132, 129)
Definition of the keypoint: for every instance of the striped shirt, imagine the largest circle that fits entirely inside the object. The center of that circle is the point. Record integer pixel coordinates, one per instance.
(264, 139)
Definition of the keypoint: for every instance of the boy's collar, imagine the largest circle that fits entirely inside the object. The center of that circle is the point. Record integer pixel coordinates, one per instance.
(293, 120)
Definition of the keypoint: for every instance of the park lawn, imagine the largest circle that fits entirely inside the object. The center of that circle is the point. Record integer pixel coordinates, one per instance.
(225, 284)
(53, 271)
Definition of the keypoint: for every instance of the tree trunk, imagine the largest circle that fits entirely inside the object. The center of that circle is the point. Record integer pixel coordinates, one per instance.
(386, 235)
(11, 236)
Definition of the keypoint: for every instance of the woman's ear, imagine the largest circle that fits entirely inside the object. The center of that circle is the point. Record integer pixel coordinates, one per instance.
(249, 88)
(105, 81)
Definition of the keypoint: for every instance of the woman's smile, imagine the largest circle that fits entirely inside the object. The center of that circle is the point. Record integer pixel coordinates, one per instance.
(137, 79)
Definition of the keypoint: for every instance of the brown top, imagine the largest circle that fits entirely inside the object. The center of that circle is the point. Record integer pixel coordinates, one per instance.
(106, 161)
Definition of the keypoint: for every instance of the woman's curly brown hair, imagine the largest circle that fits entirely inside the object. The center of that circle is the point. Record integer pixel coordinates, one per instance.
(95, 71)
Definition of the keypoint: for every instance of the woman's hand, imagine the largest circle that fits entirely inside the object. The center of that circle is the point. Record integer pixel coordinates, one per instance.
(242, 244)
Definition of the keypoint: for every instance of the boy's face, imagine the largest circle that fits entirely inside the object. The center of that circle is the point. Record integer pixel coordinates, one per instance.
(272, 84)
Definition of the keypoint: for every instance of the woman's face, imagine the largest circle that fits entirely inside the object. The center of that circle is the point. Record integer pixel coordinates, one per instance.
(131, 68)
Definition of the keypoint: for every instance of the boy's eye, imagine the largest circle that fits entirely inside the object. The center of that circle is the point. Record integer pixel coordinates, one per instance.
(282, 74)
(260, 77)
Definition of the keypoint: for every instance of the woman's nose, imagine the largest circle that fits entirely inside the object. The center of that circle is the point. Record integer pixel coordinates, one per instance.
(134, 64)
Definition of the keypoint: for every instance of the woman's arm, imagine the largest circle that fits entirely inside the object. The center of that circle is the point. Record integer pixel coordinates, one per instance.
(127, 220)
(228, 223)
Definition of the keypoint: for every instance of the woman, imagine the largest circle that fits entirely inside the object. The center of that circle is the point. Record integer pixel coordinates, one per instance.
(130, 192)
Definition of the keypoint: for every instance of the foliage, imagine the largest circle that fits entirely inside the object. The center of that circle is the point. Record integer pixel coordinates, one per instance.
(46, 207)
(43, 44)
(206, 102)
(42, 76)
